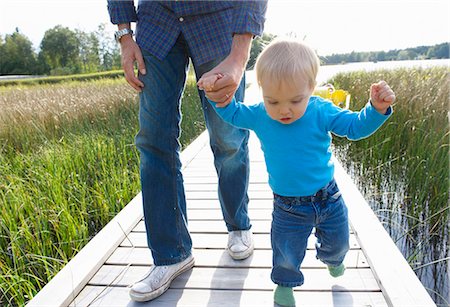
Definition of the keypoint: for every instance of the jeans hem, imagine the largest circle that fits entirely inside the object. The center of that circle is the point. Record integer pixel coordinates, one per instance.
(237, 229)
(287, 284)
(172, 260)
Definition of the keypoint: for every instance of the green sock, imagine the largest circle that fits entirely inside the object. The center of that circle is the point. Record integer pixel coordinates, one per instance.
(284, 296)
(336, 271)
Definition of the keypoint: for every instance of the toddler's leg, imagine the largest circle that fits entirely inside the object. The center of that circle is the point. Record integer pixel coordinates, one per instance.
(291, 227)
(284, 296)
(333, 237)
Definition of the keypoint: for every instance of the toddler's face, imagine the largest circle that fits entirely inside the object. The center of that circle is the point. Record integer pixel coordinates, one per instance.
(287, 101)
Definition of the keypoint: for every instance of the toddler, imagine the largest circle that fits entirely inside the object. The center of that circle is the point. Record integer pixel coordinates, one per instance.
(294, 129)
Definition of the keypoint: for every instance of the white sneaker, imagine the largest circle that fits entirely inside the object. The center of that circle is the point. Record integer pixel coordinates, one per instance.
(240, 244)
(158, 280)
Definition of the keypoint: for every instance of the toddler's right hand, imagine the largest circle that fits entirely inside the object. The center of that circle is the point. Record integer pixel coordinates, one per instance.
(207, 83)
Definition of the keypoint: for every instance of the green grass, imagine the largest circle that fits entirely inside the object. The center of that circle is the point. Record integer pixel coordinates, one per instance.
(68, 164)
(403, 169)
(63, 79)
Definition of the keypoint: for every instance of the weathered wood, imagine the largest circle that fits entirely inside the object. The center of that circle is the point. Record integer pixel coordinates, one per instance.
(238, 278)
(212, 187)
(218, 280)
(216, 226)
(221, 258)
(214, 204)
(213, 195)
(219, 240)
(118, 296)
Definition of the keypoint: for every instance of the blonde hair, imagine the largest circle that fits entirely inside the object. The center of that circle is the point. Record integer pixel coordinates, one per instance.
(285, 60)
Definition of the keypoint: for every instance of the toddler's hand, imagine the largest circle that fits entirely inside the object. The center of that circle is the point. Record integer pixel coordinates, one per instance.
(381, 96)
(207, 83)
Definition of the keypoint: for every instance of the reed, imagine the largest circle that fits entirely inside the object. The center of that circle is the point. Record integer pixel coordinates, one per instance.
(403, 169)
(68, 164)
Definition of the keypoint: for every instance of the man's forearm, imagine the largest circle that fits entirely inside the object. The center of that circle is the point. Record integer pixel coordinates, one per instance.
(240, 48)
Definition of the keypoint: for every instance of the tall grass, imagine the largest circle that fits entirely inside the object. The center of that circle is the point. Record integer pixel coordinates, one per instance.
(403, 169)
(68, 164)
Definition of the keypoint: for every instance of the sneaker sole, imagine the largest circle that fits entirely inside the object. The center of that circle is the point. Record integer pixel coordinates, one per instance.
(242, 255)
(144, 297)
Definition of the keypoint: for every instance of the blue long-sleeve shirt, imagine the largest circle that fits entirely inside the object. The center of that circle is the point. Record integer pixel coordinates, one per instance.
(298, 155)
(207, 26)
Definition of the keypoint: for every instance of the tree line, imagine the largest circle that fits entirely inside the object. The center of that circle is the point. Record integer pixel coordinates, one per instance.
(62, 51)
(439, 51)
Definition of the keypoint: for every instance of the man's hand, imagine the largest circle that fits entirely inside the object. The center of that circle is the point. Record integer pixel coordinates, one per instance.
(131, 53)
(381, 96)
(230, 70)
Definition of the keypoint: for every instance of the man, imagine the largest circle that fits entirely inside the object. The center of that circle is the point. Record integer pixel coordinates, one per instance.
(216, 36)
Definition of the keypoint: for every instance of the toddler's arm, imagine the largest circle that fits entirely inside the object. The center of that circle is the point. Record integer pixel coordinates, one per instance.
(381, 96)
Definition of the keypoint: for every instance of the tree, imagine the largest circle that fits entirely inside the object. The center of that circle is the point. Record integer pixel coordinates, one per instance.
(108, 49)
(60, 49)
(440, 51)
(17, 55)
(258, 45)
(88, 51)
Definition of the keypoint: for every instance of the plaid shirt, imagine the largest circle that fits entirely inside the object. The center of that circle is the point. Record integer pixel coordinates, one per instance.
(207, 26)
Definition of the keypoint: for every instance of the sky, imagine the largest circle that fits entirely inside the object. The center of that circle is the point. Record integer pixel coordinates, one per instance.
(329, 26)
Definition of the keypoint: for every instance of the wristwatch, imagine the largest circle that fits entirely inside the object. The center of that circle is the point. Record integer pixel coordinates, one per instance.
(118, 34)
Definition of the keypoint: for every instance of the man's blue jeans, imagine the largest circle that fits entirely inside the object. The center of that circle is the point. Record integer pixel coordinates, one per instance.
(161, 179)
(293, 221)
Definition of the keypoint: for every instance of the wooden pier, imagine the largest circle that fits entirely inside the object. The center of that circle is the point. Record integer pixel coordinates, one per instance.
(101, 273)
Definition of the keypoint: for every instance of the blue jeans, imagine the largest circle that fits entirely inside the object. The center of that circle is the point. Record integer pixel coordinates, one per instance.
(158, 143)
(292, 224)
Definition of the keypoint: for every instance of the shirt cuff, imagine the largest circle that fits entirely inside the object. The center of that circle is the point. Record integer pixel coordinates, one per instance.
(373, 110)
(122, 12)
(249, 18)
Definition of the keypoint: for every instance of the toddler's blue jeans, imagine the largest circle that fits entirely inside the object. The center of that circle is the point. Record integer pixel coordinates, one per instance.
(293, 221)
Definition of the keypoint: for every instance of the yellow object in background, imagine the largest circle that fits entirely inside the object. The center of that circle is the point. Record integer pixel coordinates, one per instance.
(340, 98)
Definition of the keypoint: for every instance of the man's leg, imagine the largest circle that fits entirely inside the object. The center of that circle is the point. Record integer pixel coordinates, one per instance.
(229, 145)
(162, 183)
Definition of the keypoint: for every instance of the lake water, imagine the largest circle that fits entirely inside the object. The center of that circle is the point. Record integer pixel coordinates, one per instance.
(328, 71)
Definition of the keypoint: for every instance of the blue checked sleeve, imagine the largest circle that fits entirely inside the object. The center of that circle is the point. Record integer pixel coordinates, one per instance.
(121, 11)
(250, 17)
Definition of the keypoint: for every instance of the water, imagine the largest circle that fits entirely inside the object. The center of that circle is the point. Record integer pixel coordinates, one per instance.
(418, 241)
(425, 246)
(326, 72)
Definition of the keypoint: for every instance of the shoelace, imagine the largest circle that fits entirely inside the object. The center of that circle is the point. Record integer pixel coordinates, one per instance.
(156, 274)
(239, 237)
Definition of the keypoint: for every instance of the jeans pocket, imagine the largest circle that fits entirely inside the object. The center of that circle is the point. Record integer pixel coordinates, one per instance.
(282, 205)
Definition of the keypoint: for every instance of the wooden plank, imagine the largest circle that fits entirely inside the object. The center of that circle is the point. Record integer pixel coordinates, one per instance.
(216, 226)
(118, 296)
(213, 179)
(213, 195)
(208, 226)
(219, 241)
(214, 204)
(216, 214)
(212, 187)
(398, 281)
(237, 279)
(221, 258)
